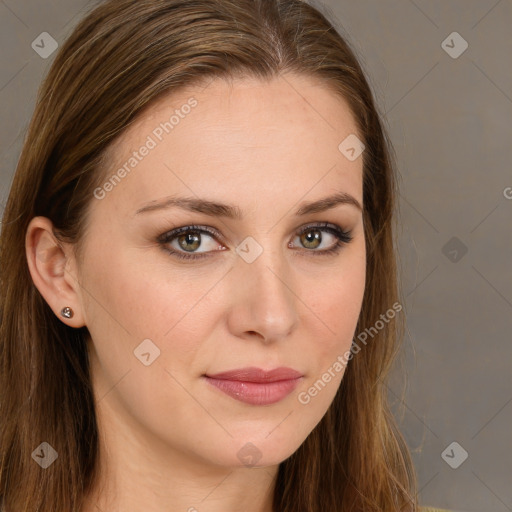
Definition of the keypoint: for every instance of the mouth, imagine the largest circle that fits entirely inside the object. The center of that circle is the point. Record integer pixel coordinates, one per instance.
(255, 386)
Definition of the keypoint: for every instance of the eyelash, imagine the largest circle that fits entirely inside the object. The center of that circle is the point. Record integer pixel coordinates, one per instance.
(344, 237)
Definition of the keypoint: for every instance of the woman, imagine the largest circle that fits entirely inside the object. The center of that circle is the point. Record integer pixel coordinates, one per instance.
(199, 304)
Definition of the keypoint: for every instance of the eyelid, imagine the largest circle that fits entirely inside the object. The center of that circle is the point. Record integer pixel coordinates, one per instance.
(173, 233)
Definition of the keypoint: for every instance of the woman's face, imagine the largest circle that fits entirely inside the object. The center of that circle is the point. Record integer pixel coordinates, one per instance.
(251, 285)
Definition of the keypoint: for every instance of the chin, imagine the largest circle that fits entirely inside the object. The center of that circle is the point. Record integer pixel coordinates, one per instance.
(263, 452)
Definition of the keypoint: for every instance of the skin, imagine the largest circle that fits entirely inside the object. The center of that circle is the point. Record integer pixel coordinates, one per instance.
(168, 439)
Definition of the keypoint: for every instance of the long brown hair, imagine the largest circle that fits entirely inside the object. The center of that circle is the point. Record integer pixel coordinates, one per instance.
(117, 61)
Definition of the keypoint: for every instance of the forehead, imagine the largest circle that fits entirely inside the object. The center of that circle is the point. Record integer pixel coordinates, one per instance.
(238, 103)
(247, 132)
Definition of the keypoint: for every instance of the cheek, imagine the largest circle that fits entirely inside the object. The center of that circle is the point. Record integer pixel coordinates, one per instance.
(338, 303)
(131, 301)
(336, 308)
(330, 343)
(142, 298)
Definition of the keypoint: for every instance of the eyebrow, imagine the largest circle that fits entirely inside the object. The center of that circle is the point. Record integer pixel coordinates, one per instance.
(215, 209)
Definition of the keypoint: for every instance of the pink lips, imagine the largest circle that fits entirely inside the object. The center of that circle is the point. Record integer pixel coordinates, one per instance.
(255, 386)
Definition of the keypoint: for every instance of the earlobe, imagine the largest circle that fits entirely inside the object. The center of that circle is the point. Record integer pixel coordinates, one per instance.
(47, 261)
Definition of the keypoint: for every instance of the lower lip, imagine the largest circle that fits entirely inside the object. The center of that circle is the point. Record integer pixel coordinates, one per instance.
(256, 393)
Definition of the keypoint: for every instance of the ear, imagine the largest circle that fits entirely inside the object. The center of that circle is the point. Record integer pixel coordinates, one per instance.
(52, 266)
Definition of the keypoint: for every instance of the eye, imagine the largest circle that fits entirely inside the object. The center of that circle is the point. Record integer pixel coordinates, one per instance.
(184, 242)
(311, 238)
(188, 239)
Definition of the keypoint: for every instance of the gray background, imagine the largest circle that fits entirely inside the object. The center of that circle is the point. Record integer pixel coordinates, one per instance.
(450, 121)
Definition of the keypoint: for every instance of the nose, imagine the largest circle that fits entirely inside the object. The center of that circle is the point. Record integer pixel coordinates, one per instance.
(264, 302)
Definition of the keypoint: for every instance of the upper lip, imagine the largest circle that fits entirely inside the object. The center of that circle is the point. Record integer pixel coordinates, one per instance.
(252, 374)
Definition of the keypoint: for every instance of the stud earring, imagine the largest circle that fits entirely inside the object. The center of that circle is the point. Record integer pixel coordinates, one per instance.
(67, 312)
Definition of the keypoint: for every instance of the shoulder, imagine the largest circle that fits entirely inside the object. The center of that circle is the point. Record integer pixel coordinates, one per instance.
(432, 509)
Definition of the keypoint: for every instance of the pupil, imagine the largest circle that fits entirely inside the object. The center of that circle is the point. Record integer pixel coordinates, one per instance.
(190, 239)
(312, 236)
